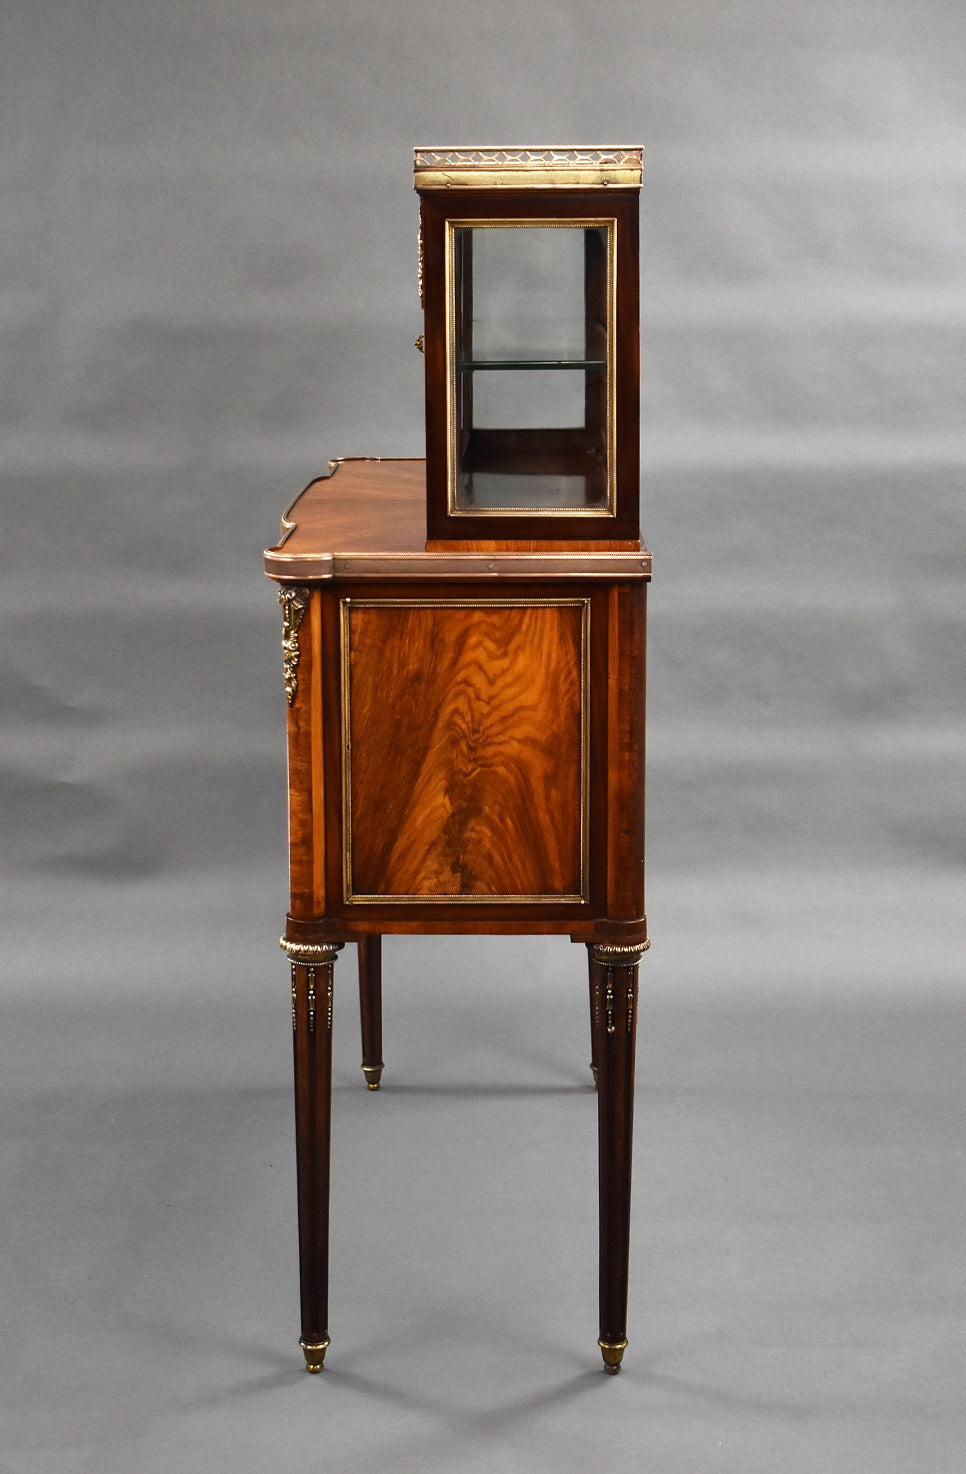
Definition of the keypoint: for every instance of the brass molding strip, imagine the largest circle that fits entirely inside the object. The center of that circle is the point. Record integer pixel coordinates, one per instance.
(326, 566)
(559, 167)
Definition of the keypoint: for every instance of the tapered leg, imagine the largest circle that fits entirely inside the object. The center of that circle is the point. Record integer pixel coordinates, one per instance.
(594, 1007)
(370, 1008)
(614, 970)
(312, 985)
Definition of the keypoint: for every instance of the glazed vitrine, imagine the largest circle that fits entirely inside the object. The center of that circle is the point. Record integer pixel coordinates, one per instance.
(529, 275)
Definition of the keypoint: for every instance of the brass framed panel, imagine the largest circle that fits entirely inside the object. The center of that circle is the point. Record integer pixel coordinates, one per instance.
(353, 897)
(583, 222)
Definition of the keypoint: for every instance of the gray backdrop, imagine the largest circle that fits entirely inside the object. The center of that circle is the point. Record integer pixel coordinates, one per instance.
(207, 288)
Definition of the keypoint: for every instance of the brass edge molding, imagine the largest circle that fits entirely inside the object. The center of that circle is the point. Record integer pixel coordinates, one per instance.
(596, 166)
(310, 953)
(606, 222)
(294, 599)
(607, 954)
(361, 898)
(319, 566)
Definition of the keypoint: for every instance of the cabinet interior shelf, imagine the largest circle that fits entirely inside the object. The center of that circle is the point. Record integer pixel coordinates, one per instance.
(473, 365)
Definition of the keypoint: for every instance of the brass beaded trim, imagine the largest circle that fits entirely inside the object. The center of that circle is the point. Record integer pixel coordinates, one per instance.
(311, 1000)
(310, 952)
(608, 954)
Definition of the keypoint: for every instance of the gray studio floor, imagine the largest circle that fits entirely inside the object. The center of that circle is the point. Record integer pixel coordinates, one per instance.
(797, 1294)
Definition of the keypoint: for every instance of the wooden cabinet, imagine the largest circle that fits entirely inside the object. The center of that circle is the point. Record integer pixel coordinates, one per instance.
(466, 754)
(531, 298)
(464, 655)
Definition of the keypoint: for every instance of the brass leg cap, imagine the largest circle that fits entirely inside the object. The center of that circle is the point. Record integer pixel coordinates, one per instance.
(612, 1352)
(314, 1352)
(373, 1074)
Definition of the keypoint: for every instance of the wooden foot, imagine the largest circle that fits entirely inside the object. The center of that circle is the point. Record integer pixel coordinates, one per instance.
(312, 990)
(370, 1008)
(614, 989)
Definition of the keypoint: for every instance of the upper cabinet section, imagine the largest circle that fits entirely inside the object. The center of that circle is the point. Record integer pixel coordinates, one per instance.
(529, 270)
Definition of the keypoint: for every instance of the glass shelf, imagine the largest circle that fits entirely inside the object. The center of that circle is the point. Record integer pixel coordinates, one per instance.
(473, 365)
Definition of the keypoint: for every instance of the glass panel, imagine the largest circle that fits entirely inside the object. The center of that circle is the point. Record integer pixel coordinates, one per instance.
(528, 293)
(540, 399)
(531, 382)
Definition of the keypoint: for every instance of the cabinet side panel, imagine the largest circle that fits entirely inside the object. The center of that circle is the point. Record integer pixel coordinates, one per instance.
(466, 733)
(305, 785)
(625, 759)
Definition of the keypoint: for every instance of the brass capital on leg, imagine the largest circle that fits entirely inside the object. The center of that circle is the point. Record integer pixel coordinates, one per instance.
(314, 1352)
(612, 1352)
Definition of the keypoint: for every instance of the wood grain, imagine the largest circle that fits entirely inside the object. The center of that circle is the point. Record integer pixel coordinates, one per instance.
(466, 758)
(627, 617)
(306, 793)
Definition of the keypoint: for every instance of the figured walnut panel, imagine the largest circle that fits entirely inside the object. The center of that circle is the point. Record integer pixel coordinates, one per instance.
(465, 731)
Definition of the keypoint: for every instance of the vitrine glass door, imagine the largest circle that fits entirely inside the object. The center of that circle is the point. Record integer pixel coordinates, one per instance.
(531, 329)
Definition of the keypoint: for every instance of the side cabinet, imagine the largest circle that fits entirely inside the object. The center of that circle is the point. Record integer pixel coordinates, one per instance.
(468, 758)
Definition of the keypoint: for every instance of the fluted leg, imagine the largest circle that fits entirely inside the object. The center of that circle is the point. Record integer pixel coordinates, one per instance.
(614, 986)
(370, 1008)
(593, 1013)
(312, 988)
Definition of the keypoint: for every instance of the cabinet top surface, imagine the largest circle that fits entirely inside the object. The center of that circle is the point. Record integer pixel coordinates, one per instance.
(367, 519)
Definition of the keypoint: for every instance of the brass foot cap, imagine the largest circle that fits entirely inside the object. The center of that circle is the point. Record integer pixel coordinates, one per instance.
(373, 1074)
(612, 1352)
(314, 1352)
